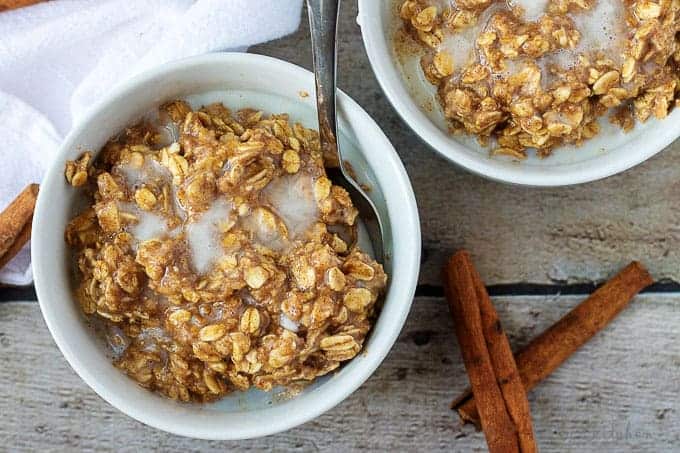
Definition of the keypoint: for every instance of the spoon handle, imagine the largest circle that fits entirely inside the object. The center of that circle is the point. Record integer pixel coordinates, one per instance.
(323, 21)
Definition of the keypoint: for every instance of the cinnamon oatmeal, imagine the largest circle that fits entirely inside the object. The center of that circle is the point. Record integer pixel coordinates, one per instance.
(218, 254)
(538, 74)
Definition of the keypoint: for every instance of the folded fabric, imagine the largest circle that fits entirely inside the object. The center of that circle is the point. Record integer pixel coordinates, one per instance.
(59, 58)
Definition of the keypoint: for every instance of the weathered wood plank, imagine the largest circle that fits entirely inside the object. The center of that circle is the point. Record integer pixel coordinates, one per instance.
(620, 391)
(576, 234)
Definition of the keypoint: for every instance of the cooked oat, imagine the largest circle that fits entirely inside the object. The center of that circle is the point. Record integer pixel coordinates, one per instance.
(219, 254)
(535, 74)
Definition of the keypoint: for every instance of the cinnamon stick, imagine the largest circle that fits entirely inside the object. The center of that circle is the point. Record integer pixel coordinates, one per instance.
(499, 429)
(504, 365)
(18, 244)
(12, 4)
(15, 223)
(550, 349)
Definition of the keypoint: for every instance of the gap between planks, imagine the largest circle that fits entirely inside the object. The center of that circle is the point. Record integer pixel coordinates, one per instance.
(27, 294)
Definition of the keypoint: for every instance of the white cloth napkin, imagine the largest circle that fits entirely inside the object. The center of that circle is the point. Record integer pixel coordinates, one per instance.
(60, 57)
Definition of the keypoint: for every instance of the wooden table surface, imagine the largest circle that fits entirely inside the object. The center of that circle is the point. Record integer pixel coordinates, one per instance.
(540, 250)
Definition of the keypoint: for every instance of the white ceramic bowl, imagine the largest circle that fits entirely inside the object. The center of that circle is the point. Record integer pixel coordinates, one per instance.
(238, 80)
(401, 79)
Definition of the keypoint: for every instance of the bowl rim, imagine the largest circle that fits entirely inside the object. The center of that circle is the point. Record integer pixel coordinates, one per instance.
(321, 399)
(380, 57)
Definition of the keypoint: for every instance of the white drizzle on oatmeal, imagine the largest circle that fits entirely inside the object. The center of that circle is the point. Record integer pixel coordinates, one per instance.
(287, 323)
(166, 129)
(461, 45)
(532, 9)
(150, 337)
(263, 232)
(150, 170)
(602, 29)
(203, 235)
(292, 199)
(149, 224)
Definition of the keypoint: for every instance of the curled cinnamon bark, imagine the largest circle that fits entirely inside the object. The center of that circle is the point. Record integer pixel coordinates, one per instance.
(504, 365)
(13, 4)
(550, 349)
(15, 223)
(501, 401)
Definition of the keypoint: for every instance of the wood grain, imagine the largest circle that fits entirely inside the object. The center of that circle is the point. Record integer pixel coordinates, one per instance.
(617, 393)
(547, 236)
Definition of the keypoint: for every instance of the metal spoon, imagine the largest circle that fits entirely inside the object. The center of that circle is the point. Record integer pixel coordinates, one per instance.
(323, 19)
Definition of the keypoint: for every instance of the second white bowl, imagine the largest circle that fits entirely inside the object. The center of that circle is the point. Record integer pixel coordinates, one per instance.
(610, 152)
